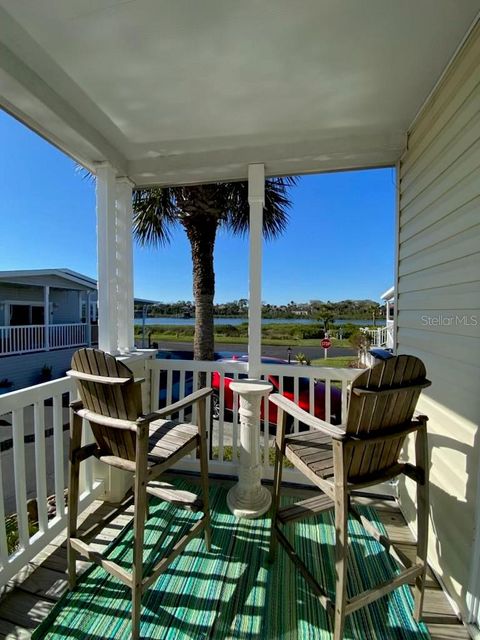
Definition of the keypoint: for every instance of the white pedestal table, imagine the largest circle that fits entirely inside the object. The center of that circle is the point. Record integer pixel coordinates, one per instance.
(248, 498)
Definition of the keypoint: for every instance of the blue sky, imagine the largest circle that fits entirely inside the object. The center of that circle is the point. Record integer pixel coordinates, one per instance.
(339, 242)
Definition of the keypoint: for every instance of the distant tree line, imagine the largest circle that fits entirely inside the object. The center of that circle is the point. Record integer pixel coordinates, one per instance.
(320, 310)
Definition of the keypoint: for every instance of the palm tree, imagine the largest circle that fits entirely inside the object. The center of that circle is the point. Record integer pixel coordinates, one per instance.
(201, 210)
(374, 309)
(326, 314)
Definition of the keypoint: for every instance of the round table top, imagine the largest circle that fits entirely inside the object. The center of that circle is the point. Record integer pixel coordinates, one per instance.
(251, 386)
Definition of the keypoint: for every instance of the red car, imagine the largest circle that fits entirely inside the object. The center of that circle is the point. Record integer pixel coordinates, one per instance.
(303, 400)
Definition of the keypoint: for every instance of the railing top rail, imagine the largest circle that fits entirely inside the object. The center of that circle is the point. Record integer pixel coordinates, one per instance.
(22, 326)
(197, 365)
(42, 326)
(292, 370)
(321, 372)
(37, 393)
(68, 324)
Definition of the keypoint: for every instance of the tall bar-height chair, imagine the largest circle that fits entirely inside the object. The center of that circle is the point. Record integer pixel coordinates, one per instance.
(363, 452)
(146, 445)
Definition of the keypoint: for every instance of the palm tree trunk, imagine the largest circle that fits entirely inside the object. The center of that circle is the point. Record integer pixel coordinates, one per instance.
(202, 242)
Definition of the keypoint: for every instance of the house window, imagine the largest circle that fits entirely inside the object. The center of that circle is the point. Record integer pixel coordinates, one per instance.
(26, 314)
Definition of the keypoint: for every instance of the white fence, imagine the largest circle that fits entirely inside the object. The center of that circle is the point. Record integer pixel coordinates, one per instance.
(68, 335)
(30, 338)
(322, 391)
(381, 337)
(32, 467)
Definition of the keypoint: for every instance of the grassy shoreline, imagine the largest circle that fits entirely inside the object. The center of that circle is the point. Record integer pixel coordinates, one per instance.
(295, 336)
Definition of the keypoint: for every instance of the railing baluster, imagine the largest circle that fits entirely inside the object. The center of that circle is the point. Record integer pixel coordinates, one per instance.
(3, 532)
(311, 395)
(195, 387)
(344, 400)
(40, 464)
(221, 420)
(266, 426)
(181, 394)
(170, 386)
(328, 400)
(235, 418)
(221, 417)
(18, 428)
(155, 374)
(58, 454)
(88, 465)
(295, 399)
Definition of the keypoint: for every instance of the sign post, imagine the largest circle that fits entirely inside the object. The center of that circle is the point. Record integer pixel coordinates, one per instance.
(326, 343)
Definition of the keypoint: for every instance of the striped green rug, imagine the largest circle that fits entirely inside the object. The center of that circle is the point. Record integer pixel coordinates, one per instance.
(232, 592)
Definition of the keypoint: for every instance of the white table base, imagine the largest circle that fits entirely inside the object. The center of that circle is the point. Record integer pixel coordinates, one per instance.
(248, 498)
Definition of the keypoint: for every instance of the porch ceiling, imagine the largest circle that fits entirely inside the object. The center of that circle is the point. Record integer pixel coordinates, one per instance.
(179, 92)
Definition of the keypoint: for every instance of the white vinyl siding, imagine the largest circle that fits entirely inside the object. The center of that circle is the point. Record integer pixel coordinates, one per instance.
(438, 298)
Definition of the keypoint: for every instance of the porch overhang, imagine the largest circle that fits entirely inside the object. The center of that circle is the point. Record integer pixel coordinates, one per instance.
(176, 93)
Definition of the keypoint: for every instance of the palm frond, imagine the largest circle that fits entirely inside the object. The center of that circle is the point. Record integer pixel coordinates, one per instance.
(154, 215)
(275, 212)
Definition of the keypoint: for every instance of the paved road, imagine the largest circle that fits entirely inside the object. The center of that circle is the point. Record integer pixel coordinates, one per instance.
(275, 351)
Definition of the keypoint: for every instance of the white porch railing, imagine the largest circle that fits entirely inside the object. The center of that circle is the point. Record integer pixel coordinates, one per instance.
(381, 337)
(71, 335)
(171, 380)
(33, 451)
(33, 462)
(30, 338)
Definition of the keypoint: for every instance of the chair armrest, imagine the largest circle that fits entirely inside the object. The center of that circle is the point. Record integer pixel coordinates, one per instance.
(196, 396)
(420, 417)
(315, 423)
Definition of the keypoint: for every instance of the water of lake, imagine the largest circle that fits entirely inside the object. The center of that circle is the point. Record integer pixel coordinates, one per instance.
(237, 321)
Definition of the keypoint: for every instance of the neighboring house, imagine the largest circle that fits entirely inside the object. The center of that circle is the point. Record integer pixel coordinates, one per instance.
(389, 298)
(45, 315)
(383, 337)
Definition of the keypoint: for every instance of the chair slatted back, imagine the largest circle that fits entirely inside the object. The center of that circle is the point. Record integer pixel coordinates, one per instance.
(122, 401)
(382, 399)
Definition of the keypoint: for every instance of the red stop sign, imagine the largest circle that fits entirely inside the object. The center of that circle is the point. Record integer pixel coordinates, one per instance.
(326, 343)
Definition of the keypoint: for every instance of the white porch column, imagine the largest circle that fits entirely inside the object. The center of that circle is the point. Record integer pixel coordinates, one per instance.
(88, 319)
(46, 316)
(107, 260)
(126, 342)
(256, 201)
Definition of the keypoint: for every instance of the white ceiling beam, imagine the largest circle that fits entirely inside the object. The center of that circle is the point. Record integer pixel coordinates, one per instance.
(286, 158)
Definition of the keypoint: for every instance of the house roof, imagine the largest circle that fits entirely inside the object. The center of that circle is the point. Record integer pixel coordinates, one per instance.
(58, 278)
(389, 293)
(190, 92)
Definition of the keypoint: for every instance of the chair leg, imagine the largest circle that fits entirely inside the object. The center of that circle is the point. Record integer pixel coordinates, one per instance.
(421, 446)
(73, 491)
(202, 451)
(341, 500)
(137, 573)
(341, 556)
(277, 483)
(140, 507)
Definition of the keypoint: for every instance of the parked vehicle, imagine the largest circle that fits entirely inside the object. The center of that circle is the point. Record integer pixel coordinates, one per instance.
(288, 391)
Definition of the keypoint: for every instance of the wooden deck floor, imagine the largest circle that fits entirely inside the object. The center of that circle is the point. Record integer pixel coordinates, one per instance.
(27, 599)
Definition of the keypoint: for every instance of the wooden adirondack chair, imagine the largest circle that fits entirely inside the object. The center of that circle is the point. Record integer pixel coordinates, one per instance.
(362, 452)
(146, 445)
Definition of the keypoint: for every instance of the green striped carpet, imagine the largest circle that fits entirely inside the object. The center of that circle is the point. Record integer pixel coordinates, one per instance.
(232, 592)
